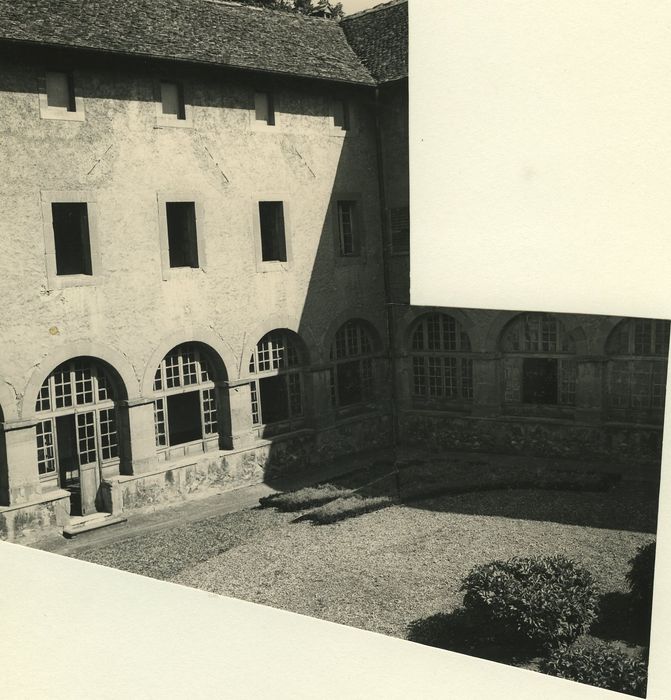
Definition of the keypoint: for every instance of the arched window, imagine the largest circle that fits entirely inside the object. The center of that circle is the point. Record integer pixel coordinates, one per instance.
(638, 351)
(185, 404)
(352, 371)
(77, 430)
(538, 363)
(441, 367)
(277, 392)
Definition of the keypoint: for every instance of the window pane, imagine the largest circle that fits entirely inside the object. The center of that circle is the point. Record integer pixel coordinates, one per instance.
(263, 105)
(274, 399)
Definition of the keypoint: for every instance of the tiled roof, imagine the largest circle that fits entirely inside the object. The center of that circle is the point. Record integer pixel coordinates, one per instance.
(201, 31)
(380, 38)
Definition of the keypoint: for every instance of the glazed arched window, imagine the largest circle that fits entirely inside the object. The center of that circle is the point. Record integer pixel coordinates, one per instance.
(638, 351)
(277, 364)
(352, 370)
(441, 366)
(185, 403)
(77, 430)
(538, 362)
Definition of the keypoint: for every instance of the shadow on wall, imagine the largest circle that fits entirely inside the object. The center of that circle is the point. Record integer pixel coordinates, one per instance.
(325, 380)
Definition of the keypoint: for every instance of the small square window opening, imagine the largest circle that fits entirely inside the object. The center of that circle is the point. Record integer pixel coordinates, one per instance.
(60, 92)
(341, 114)
(172, 100)
(264, 108)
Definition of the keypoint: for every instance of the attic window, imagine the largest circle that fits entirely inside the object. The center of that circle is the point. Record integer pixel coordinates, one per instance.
(265, 108)
(340, 110)
(172, 100)
(60, 92)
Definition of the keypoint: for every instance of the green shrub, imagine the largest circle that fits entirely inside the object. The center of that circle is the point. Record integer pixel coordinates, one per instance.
(348, 507)
(640, 578)
(544, 602)
(302, 499)
(600, 664)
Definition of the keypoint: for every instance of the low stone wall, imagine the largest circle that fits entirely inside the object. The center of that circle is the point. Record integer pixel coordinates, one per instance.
(32, 521)
(619, 443)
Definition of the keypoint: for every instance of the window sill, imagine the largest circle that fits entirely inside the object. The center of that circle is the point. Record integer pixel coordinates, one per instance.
(167, 123)
(62, 115)
(273, 266)
(65, 281)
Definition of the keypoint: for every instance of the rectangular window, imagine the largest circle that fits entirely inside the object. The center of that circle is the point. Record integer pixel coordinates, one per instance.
(264, 108)
(349, 380)
(400, 230)
(172, 100)
(71, 238)
(273, 240)
(274, 399)
(60, 92)
(182, 238)
(159, 423)
(341, 114)
(348, 237)
(108, 434)
(540, 380)
(184, 418)
(46, 458)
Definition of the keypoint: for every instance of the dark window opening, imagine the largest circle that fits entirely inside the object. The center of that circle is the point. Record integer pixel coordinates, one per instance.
(540, 380)
(274, 399)
(264, 106)
(347, 228)
(71, 239)
(182, 238)
(400, 230)
(184, 421)
(350, 384)
(61, 91)
(273, 241)
(341, 114)
(172, 100)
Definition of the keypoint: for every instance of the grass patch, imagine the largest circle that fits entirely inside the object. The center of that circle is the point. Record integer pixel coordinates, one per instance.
(308, 497)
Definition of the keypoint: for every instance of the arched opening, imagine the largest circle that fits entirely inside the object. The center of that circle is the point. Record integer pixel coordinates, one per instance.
(77, 430)
(352, 377)
(186, 401)
(278, 391)
(538, 364)
(442, 365)
(638, 351)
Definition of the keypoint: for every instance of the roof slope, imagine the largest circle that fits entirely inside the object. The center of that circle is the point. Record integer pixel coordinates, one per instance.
(380, 38)
(202, 31)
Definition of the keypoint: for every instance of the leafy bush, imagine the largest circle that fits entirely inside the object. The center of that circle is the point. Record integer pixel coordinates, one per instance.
(543, 602)
(348, 507)
(302, 499)
(640, 578)
(600, 664)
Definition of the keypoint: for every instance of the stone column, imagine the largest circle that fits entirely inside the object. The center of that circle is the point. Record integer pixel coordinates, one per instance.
(487, 388)
(589, 389)
(19, 476)
(235, 414)
(323, 412)
(138, 436)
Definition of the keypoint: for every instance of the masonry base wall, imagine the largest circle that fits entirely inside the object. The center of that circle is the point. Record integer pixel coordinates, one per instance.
(623, 445)
(205, 474)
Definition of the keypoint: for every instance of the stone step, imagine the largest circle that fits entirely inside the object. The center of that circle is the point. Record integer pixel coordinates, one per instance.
(95, 521)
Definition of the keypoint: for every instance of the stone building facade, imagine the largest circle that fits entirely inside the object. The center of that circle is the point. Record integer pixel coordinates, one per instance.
(206, 269)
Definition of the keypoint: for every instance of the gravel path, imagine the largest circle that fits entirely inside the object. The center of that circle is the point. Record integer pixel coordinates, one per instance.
(383, 570)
